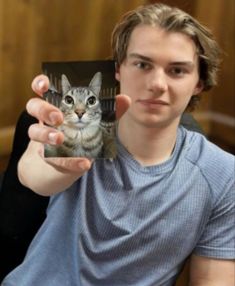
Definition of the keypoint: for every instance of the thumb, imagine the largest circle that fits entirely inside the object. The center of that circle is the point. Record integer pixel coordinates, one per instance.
(123, 102)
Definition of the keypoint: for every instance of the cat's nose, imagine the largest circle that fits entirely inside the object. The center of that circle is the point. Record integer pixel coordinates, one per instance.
(79, 113)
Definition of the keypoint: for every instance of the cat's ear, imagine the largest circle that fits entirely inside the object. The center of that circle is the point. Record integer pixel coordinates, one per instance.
(96, 83)
(65, 85)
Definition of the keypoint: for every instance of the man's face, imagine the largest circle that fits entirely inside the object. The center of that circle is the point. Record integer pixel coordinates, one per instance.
(159, 74)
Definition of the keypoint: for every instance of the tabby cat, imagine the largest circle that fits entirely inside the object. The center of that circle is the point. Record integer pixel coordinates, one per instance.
(84, 135)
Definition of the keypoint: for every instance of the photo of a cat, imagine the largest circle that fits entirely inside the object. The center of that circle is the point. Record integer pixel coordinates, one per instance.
(89, 119)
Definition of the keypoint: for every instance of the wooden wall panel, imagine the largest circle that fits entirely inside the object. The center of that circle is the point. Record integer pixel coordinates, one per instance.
(186, 5)
(218, 109)
(34, 31)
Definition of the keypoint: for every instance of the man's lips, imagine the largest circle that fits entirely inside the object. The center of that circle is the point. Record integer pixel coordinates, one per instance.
(152, 103)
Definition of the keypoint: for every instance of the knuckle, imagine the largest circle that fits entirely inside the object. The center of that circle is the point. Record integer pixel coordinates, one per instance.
(67, 164)
(38, 133)
(43, 110)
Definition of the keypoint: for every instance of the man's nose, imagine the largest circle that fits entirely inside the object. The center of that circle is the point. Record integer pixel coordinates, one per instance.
(158, 81)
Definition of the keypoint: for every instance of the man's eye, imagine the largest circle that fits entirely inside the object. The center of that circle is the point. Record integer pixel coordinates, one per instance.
(177, 71)
(143, 65)
(68, 99)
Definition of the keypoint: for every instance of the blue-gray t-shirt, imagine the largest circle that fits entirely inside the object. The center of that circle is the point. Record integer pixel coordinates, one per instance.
(125, 224)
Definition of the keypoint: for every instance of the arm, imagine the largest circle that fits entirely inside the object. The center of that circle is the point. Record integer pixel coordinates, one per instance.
(51, 175)
(47, 176)
(211, 272)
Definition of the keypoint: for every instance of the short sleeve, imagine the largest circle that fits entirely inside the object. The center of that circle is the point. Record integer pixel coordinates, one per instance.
(218, 237)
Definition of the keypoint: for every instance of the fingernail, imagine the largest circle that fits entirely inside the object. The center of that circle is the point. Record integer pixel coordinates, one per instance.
(40, 84)
(52, 138)
(82, 167)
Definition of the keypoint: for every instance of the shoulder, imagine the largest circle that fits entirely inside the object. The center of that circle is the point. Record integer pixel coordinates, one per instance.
(215, 164)
(206, 154)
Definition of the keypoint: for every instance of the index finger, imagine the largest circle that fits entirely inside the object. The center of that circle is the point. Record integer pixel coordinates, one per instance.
(44, 111)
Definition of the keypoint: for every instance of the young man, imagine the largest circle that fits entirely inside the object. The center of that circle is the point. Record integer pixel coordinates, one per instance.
(168, 195)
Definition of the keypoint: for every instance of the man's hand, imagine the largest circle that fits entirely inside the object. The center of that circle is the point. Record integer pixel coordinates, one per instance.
(47, 176)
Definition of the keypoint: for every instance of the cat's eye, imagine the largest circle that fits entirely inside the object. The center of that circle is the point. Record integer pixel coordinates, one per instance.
(68, 99)
(91, 100)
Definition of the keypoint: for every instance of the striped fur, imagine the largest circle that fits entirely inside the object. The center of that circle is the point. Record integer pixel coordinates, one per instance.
(82, 117)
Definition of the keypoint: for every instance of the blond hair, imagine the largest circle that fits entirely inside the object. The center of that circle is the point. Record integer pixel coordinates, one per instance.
(175, 20)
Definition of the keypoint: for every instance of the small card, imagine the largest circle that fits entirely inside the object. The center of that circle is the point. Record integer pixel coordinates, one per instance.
(85, 92)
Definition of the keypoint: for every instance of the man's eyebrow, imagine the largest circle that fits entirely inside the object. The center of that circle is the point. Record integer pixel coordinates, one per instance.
(139, 56)
(174, 63)
(183, 63)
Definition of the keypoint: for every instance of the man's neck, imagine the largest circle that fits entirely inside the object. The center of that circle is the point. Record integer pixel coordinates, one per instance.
(149, 146)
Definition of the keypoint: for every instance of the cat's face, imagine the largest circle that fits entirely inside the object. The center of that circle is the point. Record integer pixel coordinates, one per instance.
(80, 105)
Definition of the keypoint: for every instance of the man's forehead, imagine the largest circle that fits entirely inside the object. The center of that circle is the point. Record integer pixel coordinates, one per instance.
(149, 42)
(147, 32)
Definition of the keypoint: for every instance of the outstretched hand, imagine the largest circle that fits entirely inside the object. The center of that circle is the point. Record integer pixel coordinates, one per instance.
(51, 115)
(60, 172)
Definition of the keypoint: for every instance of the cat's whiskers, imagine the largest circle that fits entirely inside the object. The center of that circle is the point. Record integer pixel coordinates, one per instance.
(83, 137)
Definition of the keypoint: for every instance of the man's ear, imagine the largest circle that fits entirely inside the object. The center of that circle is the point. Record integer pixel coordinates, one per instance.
(117, 72)
(198, 88)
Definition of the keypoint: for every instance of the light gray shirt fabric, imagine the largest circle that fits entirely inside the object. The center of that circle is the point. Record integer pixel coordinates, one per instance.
(125, 224)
